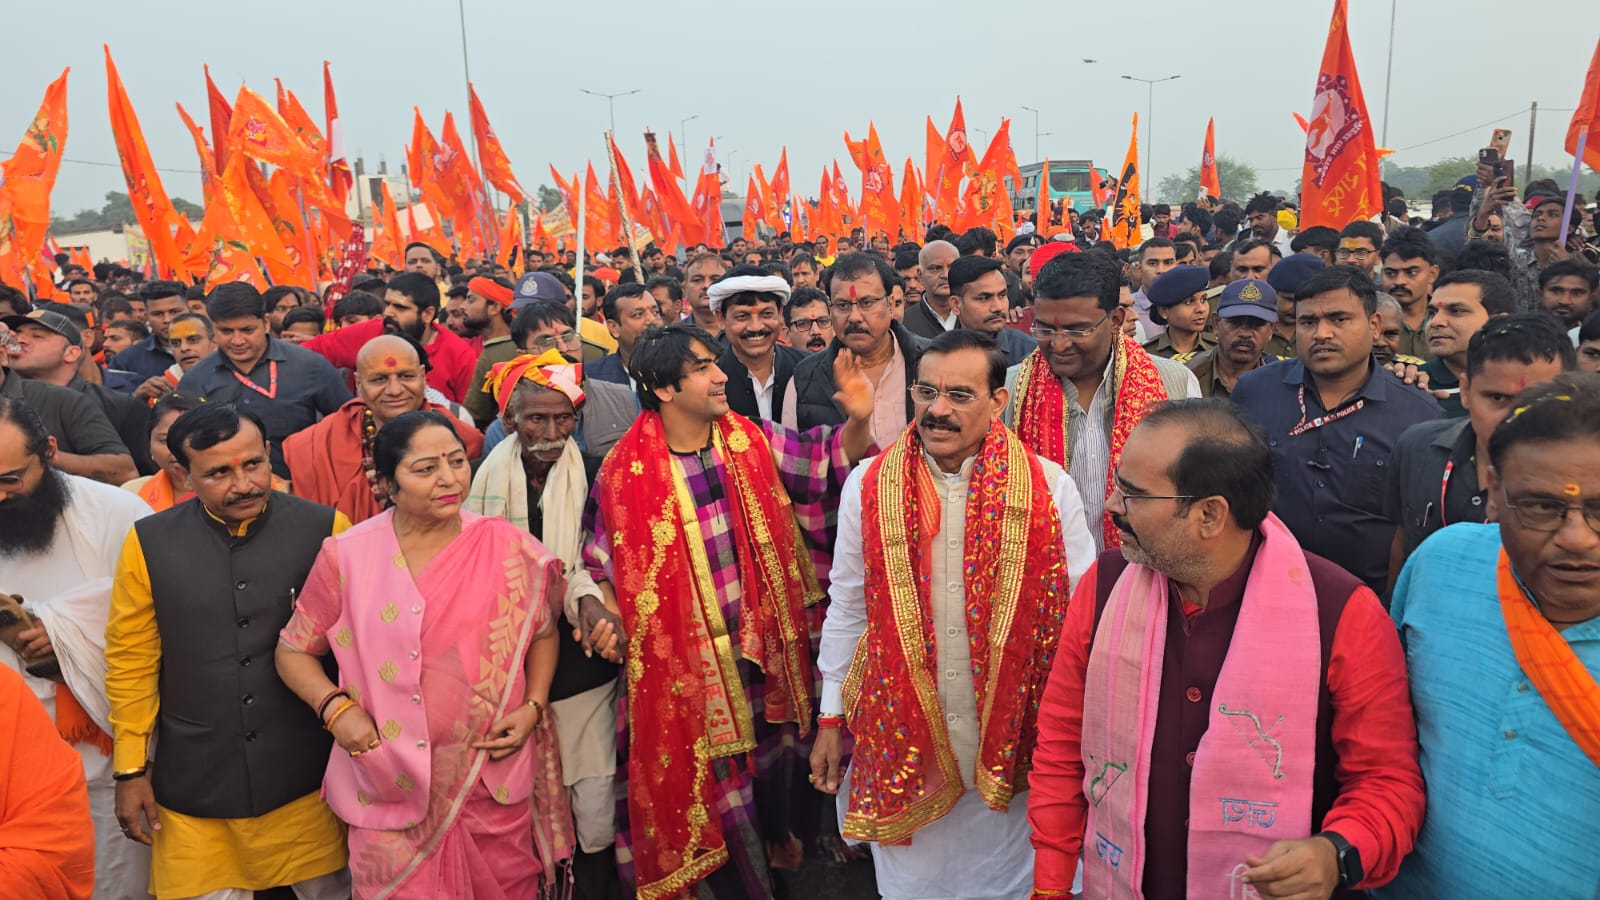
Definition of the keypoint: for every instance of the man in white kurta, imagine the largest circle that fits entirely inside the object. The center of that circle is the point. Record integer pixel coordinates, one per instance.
(972, 851)
(67, 587)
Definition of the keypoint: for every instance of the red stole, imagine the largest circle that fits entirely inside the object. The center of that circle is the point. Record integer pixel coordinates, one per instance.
(904, 773)
(686, 702)
(1041, 409)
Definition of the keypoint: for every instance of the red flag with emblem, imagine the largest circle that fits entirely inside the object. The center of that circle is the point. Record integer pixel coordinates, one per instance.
(1339, 182)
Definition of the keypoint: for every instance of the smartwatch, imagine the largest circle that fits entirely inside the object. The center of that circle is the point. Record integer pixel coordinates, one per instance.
(1350, 871)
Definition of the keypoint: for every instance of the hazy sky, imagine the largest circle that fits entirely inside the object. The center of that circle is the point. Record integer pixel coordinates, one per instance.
(761, 75)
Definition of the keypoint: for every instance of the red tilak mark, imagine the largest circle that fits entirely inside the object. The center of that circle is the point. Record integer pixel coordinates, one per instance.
(852, 292)
(236, 462)
(390, 362)
(1571, 489)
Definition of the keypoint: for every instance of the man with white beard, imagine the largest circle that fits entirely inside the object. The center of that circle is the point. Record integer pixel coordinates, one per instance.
(59, 539)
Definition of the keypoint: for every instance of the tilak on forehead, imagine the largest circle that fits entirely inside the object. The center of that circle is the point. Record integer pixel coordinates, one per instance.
(1571, 489)
(186, 328)
(549, 369)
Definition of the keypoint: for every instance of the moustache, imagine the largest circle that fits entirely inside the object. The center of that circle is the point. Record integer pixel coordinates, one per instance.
(816, 343)
(857, 329)
(1243, 345)
(1124, 525)
(761, 335)
(238, 499)
(544, 446)
(939, 422)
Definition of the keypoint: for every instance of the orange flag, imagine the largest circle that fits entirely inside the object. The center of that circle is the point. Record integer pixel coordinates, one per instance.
(780, 180)
(627, 190)
(676, 212)
(305, 128)
(208, 159)
(954, 161)
(150, 203)
(511, 242)
(707, 201)
(496, 166)
(673, 165)
(542, 241)
(841, 197)
(423, 155)
(1041, 200)
(1339, 183)
(249, 216)
(340, 177)
(260, 133)
(933, 154)
(221, 112)
(1208, 181)
(754, 210)
(910, 203)
(283, 206)
(770, 213)
(29, 176)
(219, 250)
(826, 221)
(1583, 132)
(1125, 210)
(880, 209)
(388, 245)
(987, 202)
(596, 213)
(466, 192)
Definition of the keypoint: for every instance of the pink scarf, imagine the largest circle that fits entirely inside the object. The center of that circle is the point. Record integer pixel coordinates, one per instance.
(1253, 769)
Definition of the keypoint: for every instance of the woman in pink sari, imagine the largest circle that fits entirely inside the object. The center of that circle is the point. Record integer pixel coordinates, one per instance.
(442, 624)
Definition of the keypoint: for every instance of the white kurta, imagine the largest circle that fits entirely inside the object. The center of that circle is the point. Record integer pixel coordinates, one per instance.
(973, 852)
(55, 586)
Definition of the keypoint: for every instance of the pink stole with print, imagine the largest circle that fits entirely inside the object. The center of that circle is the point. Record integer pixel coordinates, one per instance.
(1252, 779)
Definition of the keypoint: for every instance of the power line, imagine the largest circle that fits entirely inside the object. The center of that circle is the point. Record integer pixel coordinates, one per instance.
(1464, 131)
(112, 165)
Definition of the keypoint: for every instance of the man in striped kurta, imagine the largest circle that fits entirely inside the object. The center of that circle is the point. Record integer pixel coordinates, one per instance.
(696, 492)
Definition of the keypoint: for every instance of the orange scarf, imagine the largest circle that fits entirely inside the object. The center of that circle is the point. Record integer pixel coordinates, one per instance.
(158, 492)
(74, 724)
(904, 773)
(1548, 661)
(1041, 410)
(686, 701)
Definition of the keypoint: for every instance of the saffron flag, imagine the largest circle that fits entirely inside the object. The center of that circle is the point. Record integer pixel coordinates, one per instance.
(542, 241)
(954, 161)
(707, 202)
(208, 160)
(780, 179)
(675, 209)
(987, 202)
(1125, 209)
(150, 203)
(754, 210)
(627, 189)
(596, 214)
(460, 181)
(254, 225)
(933, 155)
(29, 176)
(283, 204)
(910, 204)
(340, 177)
(841, 197)
(1583, 132)
(880, 208)
(674, 165)
(492, 156)
(305, 128)
(1339, 183)
(388, 245)
(1041, 200)
(1209, 184)
(221, 111)
(260, 133)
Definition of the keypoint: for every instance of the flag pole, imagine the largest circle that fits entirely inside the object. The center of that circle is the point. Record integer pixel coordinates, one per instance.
(628, 236)
(1572, 186)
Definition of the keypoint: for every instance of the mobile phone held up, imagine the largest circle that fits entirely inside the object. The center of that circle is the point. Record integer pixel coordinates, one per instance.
(1503, 168)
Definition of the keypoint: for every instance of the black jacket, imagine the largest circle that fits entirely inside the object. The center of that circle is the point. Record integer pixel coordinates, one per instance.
(742, 394)
(814, 386)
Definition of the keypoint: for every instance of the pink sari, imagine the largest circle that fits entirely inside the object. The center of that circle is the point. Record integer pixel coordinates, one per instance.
(436, 661)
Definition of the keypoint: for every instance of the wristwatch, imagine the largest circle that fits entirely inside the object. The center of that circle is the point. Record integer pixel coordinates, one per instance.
(1350, 871)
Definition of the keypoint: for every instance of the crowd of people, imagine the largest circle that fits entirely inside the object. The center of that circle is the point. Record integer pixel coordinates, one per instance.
(993, 566)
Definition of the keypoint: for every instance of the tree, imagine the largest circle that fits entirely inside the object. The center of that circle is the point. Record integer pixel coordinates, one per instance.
(1238, 182)
(118, 211)
(549, 197)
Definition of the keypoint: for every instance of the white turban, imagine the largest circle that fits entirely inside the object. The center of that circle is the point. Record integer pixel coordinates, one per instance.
(739, 284)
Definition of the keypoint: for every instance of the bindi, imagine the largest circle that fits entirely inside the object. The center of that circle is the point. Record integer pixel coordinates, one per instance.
(1571, 489)
(391, 363)
(852, 292)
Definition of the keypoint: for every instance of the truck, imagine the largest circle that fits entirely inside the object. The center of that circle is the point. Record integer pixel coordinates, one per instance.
(1069, 184)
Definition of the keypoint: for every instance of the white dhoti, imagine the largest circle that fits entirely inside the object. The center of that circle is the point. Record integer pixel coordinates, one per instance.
(586, 726)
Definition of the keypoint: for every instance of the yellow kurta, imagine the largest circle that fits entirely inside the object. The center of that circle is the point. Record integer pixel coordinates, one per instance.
(596, 333)
(195, 855)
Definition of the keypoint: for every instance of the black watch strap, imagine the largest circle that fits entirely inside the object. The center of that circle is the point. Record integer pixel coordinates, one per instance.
(1350, 871)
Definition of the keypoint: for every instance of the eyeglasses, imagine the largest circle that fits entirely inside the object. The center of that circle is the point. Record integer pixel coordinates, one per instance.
(551, 341)
(1116, 490)
(1548, 514)
(1046, 334)
(1353, 253)
(865, 304)
(819, 323)
(926, 394)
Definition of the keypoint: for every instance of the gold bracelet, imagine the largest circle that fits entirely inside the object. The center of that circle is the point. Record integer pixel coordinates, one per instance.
(344, 707)
(538, 706)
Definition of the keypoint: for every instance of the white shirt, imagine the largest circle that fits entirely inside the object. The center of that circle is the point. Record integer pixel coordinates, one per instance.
(764, 391)
(973, 852)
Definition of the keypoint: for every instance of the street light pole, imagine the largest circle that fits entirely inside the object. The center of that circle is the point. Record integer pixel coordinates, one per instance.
(1388, 79)
(1149, 125)
(1035, 112)
(683, 131)
(611, 103)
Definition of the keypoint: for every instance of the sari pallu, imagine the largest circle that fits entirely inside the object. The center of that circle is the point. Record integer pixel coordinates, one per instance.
(686, 702)
(904, 774)
(436, 661)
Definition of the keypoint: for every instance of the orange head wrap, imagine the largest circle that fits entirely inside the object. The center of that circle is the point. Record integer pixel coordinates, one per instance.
(549, 369)
(488, 290)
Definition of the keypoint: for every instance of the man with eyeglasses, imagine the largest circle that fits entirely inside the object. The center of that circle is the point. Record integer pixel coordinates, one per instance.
(808, 319)
(1501, 627)
(1358, 246)
(1440, 466)
(1076, 398)
(950, 777)
(1228, 714)
(757, 365)
(862, 323)
(608, 409)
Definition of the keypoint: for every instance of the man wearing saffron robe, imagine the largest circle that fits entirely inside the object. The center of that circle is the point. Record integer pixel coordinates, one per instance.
(997, 535)
(1228, 714)
(330, 462)
(1077, 319)
(697, 547)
